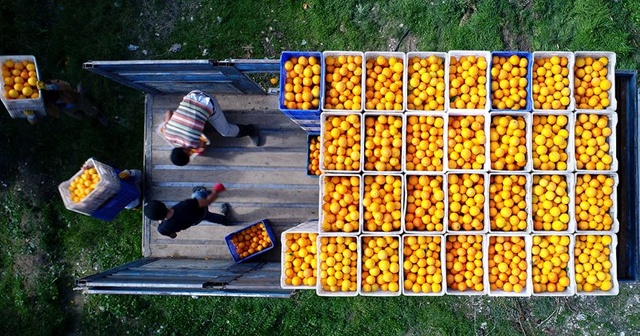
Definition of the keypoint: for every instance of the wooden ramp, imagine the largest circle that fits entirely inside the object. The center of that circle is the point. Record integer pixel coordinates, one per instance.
(262, 182)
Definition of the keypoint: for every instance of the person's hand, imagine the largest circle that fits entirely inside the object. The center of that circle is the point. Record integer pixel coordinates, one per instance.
(41, 85)
(219, 187)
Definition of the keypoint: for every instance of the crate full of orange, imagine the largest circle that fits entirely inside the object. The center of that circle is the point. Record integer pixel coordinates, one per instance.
(250, 241)
(89, 188)
(20, 78)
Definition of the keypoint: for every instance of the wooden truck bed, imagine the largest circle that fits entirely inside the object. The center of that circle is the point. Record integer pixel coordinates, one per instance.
(262, 182)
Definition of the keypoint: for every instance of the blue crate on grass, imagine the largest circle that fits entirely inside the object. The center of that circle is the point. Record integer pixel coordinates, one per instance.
(113, 206)
(284, 57)
(232, 248)
(309, 136)
(522, 54)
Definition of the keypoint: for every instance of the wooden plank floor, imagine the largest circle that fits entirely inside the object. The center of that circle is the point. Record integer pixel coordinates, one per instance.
(262, 182)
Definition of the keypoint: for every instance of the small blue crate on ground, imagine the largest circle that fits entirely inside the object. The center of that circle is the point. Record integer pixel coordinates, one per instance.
(284, 57)
(528, 76)
(232, 247)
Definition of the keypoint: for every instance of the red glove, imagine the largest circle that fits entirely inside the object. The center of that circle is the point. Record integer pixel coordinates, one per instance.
(219, 187)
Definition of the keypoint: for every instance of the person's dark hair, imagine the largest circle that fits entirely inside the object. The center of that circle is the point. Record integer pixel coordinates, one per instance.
(179, 157)
(155, 210)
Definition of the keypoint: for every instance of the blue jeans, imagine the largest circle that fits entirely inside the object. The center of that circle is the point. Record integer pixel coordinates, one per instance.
(209, 216)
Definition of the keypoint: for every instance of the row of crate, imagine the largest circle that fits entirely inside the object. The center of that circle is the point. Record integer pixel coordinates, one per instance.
(487, 127)
(445, 57)
(293, 265)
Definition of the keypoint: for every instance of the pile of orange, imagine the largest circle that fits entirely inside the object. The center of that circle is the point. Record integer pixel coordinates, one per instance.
(467, 82)
(592, 263)
(550, 141)
(340, 203)
(251, 240)
(20, 80)
(425, 90)
(464, 263)
(591, 142)
(508, 143)
(466, 142)
(509, 82)
(384, 83)
(300, 259)
(591, 84)
(380, 264)
(593, 202)
(425, 203)
(302, 85)
(549, 258)
(551, 89)
(507, 202)
(314, 155)
(339, 264)
(422, 265)
(341, 142)
(425, 143)
(343, 88)
(466, 202)
(81, 186)
(382, 203)
(383, 143)
(550, 203)
(507, 264)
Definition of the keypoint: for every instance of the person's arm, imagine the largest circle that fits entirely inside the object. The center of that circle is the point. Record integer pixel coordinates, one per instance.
(203, 203)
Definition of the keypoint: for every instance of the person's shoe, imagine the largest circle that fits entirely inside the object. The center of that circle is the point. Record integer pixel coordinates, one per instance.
(225, 210)
(256, 137)
(198, 188)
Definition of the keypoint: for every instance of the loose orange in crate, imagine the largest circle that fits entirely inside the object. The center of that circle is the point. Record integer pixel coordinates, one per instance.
(340, 143)
(338, 259)
(509, 82)
(383, 143)
(550, 203)
(382, 203)
(82, 185)
(426, 82)
(550, 262)
(340, 204)
(343, 88)
(551, 83)
(380, 264)
(507, 264)
(550, 141)
(300, 259)
(302, 82)
(424, 143)
(384, 82)
(250, 241)
(593, 133)
(508, 142)
(467, 82)
(465, 269)
(466, 142)
(20, 79)
(422, 264)
(313, 164)
(508, 202)
(594, 201)
(592, 83)
(466, 202)
(593, 263)
(425, 209)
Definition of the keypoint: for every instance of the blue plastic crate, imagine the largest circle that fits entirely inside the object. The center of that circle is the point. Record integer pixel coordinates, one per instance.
(285, 56)
(529, 77)
(113, 206)
(232, 248)
(302, 114)
(309, 136)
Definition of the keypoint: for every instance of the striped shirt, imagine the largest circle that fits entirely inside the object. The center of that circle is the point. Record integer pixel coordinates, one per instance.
(184, 128)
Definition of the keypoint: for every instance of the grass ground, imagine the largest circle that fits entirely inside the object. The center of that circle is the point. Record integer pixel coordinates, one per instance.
(47, 247)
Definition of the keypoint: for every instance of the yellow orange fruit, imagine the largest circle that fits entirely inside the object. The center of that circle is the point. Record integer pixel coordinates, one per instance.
(466, 142)
(421, 265)
(549, 142)
(384, 87)
(300, 261)
(338, 268)
(343, 82)
(550, 203)
(425, 143)
(382, 203)
(467, 82)
(19, 83)
(591, 85)
(314, 155)
(592, 263)
(251, 240)
(466, 202)
(507, 263)
(465, 269)
(302, 83)
(507, 202)
(340, 203)
(425, 203)
(593, 201)
(592, 148)
(508, 143)
(341, 143)
(509, 82)
(551, 87)
(83, 184)
(549, 260)
(383, 143)
(380, 264)
(426, 83)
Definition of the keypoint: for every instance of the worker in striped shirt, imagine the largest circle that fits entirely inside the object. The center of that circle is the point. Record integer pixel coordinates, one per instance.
(183, 128)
